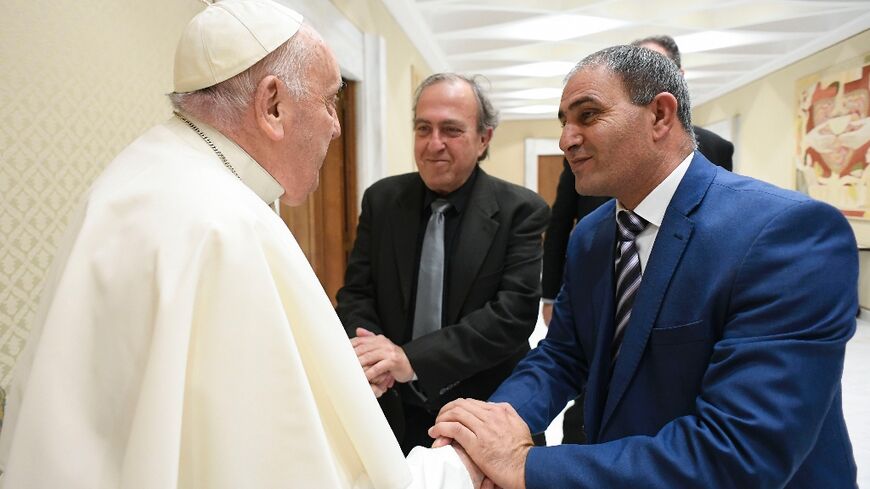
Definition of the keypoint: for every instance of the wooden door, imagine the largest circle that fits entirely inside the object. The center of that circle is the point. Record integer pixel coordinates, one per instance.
(549, 169)
(325, 224)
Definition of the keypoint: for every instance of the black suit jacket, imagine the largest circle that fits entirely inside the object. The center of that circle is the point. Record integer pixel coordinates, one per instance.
(719, 151)
(492, 295)
(570, 207)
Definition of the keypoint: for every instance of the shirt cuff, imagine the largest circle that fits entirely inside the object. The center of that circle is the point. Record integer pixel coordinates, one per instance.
(436, 468)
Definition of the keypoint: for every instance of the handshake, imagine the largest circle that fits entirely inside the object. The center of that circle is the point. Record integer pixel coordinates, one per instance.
(491, 439)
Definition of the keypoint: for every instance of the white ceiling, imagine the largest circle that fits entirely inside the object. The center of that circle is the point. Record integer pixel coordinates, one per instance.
(525, 47)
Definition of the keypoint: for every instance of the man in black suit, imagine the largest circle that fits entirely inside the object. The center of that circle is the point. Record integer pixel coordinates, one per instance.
(569, 207)
(423, 343)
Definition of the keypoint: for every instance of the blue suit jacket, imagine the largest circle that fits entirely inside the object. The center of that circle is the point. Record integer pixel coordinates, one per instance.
(729, 373)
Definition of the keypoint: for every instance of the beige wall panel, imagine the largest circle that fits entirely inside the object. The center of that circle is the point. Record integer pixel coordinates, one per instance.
(507, 153)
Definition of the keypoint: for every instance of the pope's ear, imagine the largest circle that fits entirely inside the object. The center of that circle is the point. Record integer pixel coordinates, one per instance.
(270, 107)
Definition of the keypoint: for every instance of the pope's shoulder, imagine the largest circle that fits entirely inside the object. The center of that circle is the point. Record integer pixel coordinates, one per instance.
(160, 179)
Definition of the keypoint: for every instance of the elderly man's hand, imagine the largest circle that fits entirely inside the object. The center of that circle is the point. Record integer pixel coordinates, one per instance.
(473, 470)
(478, 478)
(380, 357)
(494, 435)
(382, 384)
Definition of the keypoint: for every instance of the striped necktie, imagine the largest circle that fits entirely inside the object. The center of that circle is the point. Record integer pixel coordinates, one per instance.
(628, 272)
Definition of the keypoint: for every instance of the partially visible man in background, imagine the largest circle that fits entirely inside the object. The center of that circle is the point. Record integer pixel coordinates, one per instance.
(183, 339)
(443, 283)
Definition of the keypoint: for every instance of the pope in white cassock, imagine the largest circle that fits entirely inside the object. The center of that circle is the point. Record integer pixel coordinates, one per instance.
(183, 339)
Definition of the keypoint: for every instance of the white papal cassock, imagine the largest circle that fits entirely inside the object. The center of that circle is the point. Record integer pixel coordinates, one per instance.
(183, 340)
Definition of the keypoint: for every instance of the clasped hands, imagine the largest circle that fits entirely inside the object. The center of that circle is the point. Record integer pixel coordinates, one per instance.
(493, 435)
(490, 438)
(383, 362)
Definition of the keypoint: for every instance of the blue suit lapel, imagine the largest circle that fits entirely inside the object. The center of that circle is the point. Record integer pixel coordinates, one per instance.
(600, 266)
(671, 241)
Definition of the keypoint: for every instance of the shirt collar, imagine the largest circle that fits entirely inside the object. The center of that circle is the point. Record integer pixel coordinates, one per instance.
(458, 198)
(250, 172)
(653, 206)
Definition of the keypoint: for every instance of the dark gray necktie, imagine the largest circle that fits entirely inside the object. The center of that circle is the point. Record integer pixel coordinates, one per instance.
(430, 278)
(628, 273)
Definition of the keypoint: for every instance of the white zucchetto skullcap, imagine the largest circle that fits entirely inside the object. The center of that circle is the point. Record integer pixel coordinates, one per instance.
(227, 38)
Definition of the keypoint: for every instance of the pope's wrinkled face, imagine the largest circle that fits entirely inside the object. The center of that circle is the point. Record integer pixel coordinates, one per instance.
(606, 138)
(447, 143)
(315, 124)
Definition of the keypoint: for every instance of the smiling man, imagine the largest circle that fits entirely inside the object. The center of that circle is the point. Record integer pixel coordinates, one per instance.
(442, 286)
(704, 313)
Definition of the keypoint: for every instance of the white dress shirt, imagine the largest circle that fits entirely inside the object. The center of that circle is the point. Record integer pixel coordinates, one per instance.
(653, 207)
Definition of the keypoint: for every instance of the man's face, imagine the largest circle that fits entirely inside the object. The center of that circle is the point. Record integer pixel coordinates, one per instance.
(446, 140)
(606, 139)
(314, 124)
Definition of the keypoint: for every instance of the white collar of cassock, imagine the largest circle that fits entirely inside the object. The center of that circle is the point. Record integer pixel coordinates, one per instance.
(250, 172)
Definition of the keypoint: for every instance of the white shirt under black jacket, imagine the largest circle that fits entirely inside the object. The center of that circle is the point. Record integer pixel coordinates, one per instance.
(183, 340)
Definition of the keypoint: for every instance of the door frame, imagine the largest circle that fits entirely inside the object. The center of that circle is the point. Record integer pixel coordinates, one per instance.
(533, 148)
(362, 58)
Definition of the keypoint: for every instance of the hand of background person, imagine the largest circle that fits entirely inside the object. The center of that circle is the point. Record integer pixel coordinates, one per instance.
(547, 312)
(493, 435)
(379, 357)
(383, 383)
(381, 386)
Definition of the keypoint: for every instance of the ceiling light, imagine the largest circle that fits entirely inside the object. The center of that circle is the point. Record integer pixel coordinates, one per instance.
(532, 94)
(534, 109)
(710, 40)
(541, 28)
(555, 27)
(542, 69)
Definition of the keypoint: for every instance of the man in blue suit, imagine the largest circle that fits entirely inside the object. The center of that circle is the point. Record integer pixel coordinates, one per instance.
(724, 370)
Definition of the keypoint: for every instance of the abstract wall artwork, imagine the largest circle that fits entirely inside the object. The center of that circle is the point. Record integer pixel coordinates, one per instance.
(833, 141)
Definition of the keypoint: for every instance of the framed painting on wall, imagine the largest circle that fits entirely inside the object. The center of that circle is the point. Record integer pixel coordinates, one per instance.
(833, 140)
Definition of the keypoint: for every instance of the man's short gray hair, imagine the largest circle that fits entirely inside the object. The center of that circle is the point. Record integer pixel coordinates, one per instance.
(644, 73)
(225, 102)
(665, 42)
(487, 116)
